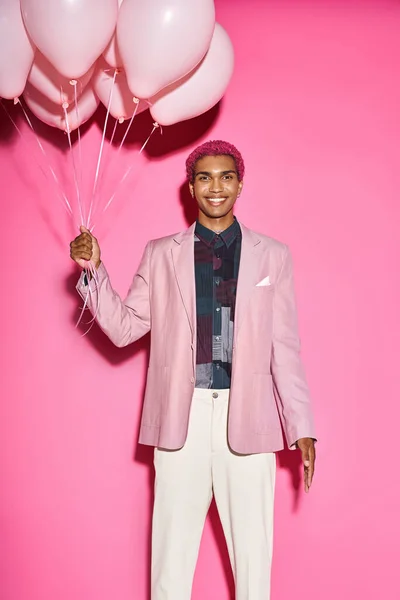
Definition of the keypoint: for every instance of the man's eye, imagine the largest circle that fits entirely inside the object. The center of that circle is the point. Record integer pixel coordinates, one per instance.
(228, 177)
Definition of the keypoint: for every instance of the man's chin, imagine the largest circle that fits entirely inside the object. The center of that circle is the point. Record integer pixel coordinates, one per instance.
(217, 216)
(217, 212)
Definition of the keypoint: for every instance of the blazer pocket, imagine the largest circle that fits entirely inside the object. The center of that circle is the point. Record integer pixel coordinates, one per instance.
(265, 417)
(262, 299)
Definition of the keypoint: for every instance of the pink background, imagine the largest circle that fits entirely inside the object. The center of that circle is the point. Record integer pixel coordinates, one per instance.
(314, 106)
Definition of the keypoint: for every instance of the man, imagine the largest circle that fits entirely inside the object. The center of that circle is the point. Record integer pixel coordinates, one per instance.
(224, 372)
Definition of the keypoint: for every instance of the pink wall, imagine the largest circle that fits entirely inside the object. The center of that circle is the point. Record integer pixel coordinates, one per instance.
(314, 106)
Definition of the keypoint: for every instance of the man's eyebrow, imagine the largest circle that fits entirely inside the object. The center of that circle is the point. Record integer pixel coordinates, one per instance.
(221, 173)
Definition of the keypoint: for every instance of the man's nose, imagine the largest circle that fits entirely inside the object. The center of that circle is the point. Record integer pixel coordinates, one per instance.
(215, 185)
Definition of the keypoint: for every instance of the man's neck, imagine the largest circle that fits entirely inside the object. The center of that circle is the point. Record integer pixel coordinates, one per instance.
(216, 225)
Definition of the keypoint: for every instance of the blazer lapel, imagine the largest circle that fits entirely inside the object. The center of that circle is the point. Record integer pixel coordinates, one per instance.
(183, 260)
(248, 273)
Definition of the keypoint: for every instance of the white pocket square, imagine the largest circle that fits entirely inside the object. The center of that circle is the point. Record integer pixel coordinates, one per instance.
(264, 281)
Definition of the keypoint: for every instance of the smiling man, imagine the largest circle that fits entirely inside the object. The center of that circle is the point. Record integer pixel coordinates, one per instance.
(224, 376)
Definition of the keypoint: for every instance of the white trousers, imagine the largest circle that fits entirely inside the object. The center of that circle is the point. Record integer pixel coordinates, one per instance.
(186, 480)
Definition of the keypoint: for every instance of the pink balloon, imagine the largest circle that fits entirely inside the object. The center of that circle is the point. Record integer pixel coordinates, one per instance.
(122, 105)
(53, 114)
(16, 50)
(200, 90)
(70, 33)
(45, 78)
(111, 53)
(160, 42)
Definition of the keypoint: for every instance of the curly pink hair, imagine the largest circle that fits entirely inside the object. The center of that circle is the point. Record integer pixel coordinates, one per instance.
(214, 148)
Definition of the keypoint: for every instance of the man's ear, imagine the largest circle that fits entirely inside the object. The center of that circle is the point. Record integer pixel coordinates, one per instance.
(191, 189)
(240, 187)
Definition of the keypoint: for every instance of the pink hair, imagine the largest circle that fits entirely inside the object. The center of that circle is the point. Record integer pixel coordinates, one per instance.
(214, 148)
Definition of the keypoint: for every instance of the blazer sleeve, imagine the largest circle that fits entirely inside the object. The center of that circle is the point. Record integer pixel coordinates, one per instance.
(123, 321)
(293, 397)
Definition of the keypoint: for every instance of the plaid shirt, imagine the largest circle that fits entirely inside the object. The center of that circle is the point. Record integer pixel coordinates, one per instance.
(216, 262)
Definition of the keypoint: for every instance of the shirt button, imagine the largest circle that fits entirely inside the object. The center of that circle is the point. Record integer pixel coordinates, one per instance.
(217, 367)
(192, 380)
(218, 309)
(215, 395)
(217, 338)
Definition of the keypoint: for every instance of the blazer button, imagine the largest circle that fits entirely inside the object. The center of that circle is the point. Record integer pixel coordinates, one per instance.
(192, 380)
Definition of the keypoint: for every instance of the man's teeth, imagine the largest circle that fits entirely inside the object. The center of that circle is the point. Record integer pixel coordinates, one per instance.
(216, 200)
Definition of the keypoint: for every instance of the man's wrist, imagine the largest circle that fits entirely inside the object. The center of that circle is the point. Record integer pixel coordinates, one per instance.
(88, 275)
(307, 438)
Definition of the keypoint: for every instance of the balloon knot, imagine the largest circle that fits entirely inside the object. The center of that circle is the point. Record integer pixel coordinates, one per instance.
(16, 101)
(65, 105)
(73, 82)
(121, 120)
(135, 100)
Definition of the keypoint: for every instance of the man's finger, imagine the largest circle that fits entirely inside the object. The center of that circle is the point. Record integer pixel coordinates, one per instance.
(307, 464)
(306, 486)
(83, 246)
(306, 457)
(309, 477)
(310, 470)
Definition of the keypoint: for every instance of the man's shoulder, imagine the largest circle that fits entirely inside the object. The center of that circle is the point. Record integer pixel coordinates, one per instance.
(267, 241)
(166, 240)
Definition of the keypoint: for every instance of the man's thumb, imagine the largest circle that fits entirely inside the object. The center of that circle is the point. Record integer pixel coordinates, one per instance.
(84, 230)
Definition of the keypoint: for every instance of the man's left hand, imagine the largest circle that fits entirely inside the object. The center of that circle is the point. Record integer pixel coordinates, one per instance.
(307, 447)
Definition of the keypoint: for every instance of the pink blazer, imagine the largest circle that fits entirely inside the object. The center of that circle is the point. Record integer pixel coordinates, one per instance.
(268, 383)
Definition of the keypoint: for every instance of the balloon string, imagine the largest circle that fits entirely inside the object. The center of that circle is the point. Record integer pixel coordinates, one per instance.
(106, 165)
(39, 143)
(74, 83)
(90, 273)
(114, 131)
(78, 192)
(96, 177)
(61, 194)
(121, 181)
(85, 303)
(130, 123)
(155, 126)
(115, 156)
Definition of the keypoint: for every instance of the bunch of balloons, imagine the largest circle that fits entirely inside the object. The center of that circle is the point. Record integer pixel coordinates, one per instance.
(66, 56)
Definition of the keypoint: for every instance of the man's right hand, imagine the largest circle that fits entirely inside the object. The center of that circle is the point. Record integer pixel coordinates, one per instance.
(85, 248)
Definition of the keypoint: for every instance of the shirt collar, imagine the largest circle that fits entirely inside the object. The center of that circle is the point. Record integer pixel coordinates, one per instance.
(227, 236)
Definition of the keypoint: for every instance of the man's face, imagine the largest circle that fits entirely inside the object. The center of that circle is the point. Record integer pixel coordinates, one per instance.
(216, 186)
